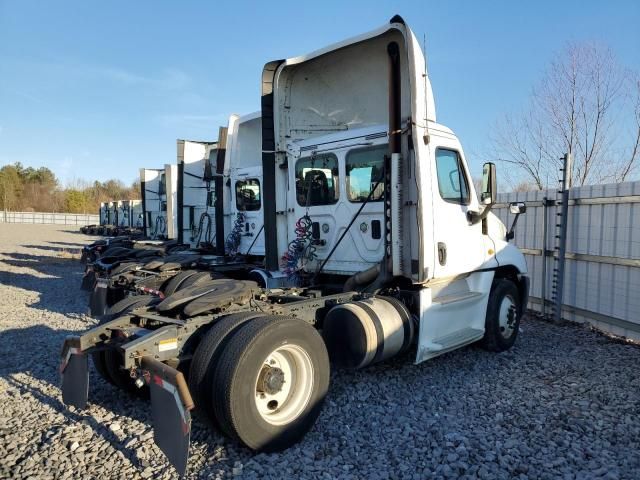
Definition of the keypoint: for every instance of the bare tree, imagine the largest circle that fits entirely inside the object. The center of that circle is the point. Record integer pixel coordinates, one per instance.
(577, 108)
(634, 150)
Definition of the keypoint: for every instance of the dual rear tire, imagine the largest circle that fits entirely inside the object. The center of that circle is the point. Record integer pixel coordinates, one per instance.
(261, 380)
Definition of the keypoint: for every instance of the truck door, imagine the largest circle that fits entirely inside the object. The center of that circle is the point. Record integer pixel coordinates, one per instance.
(459, 246)
(247, 215)
(331, 185)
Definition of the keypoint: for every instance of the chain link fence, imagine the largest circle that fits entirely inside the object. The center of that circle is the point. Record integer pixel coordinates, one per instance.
(49, 218)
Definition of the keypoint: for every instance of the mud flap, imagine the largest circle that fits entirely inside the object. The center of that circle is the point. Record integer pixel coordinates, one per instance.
(88, 281)
(74, 369)
(170, 405)
(98, 300)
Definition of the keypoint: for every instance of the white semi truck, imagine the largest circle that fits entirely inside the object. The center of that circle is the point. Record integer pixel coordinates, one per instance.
(236, 164)
(104, 213)
(207, 223)
(159, 197)
(375, 243)
(129, 214)
(197, 174)
(243, 195)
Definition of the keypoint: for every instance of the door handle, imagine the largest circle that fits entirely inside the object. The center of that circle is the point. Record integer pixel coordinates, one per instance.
(442, 253)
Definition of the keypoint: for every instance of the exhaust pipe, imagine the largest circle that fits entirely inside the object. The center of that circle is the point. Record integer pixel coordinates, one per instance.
(381, 273)
(395, 118)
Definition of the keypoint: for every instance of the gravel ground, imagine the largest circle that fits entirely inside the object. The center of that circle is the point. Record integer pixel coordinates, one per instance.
(563, 403)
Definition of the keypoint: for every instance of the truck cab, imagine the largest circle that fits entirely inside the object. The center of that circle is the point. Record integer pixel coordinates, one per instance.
(159, 201)
(363, 183)
(243, 177)
(196, 192)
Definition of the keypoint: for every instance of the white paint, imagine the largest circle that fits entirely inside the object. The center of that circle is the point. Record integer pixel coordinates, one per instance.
(193, 155)
(171, 175)
(329, 98)
(242, 162)
(358, 250)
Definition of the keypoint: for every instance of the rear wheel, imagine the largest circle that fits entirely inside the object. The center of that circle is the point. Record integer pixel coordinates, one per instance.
(271, 381)
(207, 356)
(503, 316)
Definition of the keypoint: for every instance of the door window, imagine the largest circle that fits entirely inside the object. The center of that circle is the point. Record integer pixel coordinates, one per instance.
(317, 180)
(364, 171)
(248, 195)
(452, 181)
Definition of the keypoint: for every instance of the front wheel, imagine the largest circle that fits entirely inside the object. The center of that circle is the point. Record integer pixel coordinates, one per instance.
(271, 381)
(503, 316)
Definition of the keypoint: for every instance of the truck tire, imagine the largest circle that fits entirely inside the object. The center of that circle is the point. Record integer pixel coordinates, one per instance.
(107, 362)
(503, 316)
(271, 382)
(206, 357)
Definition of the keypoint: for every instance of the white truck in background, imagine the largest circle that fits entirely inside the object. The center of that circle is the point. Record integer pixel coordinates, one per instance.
(239, 170)
(375, 243)
(197, 173)
(243, 194)
(129, 214)
(159, 197)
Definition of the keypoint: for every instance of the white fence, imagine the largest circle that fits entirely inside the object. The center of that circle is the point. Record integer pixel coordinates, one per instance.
(49, 218)
(602, 269)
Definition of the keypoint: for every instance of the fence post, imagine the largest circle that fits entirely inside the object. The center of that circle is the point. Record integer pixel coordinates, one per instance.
(545, 226)
(561, 237)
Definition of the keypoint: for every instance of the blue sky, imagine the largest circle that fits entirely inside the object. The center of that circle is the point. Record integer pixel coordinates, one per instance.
(96, 90)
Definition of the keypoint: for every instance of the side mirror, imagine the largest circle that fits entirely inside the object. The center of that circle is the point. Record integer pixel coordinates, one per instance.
(489, 188)
(517, 208)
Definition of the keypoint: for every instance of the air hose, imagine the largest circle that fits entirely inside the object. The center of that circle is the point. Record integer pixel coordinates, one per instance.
(160, 227)
(197, 233)
(301, 249)
(232, 242)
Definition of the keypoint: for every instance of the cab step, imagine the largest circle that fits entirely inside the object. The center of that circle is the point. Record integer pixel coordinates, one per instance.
(455, 339)
(460, 297)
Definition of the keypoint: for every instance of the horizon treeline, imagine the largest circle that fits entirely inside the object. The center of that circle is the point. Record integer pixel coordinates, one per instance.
(28, 189)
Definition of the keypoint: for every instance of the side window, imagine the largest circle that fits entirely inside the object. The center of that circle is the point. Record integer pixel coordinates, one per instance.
(317, 180)
(248, 195)
(364, 170)
(452, 181)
